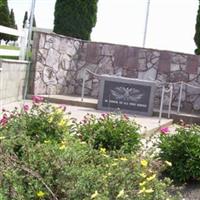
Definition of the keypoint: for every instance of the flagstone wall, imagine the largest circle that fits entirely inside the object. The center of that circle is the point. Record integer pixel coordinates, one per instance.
(59, 63)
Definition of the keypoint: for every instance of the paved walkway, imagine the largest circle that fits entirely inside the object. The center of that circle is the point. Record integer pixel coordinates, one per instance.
(149, 125)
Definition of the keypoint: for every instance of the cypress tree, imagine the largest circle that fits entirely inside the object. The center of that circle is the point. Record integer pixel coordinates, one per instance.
(75, 18)
(4, 19)
(13, 25)
(25, 19)
(197, 33)
(34, 21)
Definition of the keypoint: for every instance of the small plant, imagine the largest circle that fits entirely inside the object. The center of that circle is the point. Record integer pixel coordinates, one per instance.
(182, 150)
(39, 123)
(110, 132)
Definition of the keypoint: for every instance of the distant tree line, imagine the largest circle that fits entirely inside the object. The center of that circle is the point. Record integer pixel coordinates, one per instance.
(7, 18)
(27, 20)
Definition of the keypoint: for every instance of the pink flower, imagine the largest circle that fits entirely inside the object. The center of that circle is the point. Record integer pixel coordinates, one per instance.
(5, 116)
(26, 108)
(164, 130)
(4, 120)
(63, 107)
(104, 115)
(37, 99)
(126, 117)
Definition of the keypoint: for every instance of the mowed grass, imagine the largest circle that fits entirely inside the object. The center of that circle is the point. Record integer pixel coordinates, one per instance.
(9, 47)
(13, 48)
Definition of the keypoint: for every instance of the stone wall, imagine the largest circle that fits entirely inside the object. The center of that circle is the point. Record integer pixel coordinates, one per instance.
(59, 63)
(12, 80)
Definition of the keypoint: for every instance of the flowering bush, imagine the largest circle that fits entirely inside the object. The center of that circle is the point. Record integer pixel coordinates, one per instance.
(40, 159)
(182, 150)
(41, 123)
(110, 132)
(72, 170)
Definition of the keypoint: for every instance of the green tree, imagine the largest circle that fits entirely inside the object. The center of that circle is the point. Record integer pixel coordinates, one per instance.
(75, 18)
(34, 21)
(25, 19)
(13, 25)
(197, 33)
(4, 19)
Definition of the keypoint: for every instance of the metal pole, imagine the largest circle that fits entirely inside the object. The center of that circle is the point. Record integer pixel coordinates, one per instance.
(170, 100)
(83, 85)
(146, 23)
(180, 97)
(30, 28)
(161, 103)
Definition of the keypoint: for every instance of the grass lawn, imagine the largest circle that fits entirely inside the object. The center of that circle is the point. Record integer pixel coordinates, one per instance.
(9, 47)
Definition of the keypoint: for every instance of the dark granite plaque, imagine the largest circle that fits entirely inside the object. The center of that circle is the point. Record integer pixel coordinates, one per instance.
(129, 95)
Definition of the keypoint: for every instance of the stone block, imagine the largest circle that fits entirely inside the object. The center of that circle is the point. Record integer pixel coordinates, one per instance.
(129, 95)
(192, 64)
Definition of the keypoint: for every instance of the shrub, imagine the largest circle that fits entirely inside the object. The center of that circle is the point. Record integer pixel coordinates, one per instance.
(72, 170)
(110, 132)
(182, 150)
(39, 123)
(41, 159)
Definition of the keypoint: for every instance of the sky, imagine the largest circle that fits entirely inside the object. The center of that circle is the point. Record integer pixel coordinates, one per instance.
(171, 24)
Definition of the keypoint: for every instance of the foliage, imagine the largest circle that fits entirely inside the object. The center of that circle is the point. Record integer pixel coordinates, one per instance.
(72, 170)
(25, 19)
(182, 150)
(75, 18)
(197, 33)
(110, 132)
(12, 25)
(41, 159)
(42, 122)
(34, 21)
(4, 18)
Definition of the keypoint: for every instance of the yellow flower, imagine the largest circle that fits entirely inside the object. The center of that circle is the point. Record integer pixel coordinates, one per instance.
(109, 174)
(83, 142)
(143, 175)
(102, 150)
(105, 177)
(151, 177)
(62, 123)
(149, 191)
(58, 111)
(50, 119)
(143, 183)
(123, 159)
(93, 196)
(62, 146)
(2, 137)
(121, 193)
(144, 163)
(47, 141)
(142, 190)
(63, 142)
(40, 194)
(168, 163)
(114, 164)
